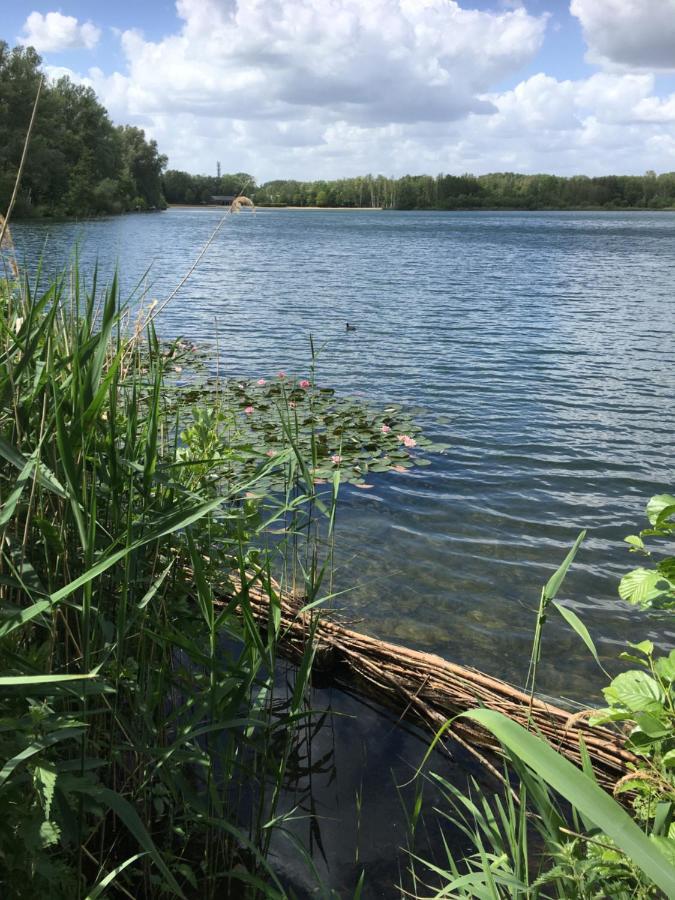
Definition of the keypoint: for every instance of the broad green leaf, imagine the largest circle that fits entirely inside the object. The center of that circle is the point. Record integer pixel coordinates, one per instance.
(652, 726)
(667, 568)
(665, 517)
(636, 691)
(665, 666)
(646, 647)
(46, 781)
(583, 794)
(657, 504)
(635, 541)
(642, 586)
(49, 833)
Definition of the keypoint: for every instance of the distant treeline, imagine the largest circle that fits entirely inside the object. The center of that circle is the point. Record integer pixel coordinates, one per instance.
(79, 162)
(501, 190)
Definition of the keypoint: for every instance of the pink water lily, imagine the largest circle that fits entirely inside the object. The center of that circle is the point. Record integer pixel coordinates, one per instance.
(248, 410)
(281, 374)
(271, 453)
(386, 429)
(407, 441)
(336, 459)
(304, 384)
(261, 381)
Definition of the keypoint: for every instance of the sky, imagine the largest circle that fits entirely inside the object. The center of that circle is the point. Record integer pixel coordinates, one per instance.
(335, 88)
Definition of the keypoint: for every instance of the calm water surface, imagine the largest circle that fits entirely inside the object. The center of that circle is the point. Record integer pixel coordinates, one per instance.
(539, 346)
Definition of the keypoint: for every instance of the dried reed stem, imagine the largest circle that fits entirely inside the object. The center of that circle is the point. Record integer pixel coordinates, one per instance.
(24, 155)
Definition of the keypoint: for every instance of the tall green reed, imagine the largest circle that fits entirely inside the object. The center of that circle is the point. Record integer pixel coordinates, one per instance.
(138, 737)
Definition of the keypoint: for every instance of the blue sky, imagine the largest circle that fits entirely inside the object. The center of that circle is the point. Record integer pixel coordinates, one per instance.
(324, 88)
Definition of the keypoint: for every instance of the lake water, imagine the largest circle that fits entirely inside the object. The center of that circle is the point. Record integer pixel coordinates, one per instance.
(539, 346)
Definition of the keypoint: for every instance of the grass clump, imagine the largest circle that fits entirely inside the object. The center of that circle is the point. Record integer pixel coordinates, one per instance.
(126, 724)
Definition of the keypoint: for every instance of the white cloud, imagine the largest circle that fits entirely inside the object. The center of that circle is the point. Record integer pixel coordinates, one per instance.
(631, 33)
(375, 62)
(53, 32)
(325, 88)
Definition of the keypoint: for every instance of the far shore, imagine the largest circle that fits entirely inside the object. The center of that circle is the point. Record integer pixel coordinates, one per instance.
(267, 206)
(464, 209)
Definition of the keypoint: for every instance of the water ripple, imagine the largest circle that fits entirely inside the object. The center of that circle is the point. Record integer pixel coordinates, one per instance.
(546, 341)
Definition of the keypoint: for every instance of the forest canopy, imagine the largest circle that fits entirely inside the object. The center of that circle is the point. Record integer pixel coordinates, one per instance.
(79, 162)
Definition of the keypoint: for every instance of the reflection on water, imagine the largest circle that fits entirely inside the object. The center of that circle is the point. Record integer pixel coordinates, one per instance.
(543, 341)
(349, 793)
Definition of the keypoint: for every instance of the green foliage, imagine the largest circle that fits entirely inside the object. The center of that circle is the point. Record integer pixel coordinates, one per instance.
(80, 163)
(498, 190)
(599, 851)
(181, 187)
(335, 433)
(652, 587)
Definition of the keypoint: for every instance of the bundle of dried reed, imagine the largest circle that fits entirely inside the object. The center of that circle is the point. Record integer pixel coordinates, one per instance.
(430, 690)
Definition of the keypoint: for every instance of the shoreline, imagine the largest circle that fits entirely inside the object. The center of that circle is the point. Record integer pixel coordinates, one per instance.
(267, 206)
(431, 209)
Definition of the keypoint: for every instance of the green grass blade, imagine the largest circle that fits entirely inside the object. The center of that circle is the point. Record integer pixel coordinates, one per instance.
(35, 680)
(128, 815)
(554, 582)
(575, 622)
(582, 793)
(63, 734)
(96, 892)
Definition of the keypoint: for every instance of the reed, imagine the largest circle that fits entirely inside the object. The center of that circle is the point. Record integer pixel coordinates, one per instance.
(141, 743)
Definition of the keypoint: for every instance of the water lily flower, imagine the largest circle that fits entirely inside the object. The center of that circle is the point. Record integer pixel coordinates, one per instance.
(177, 369)
(407, 441)
(336, 459)
(304, 384)
(261, 381)
(386, 429)
(271, 453)
(248, 410)
(281, 374)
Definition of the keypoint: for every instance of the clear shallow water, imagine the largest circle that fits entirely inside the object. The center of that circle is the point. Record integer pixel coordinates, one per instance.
(543, 341)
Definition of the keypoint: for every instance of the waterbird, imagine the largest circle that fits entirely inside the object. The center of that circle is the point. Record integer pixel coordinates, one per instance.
(349, 327)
